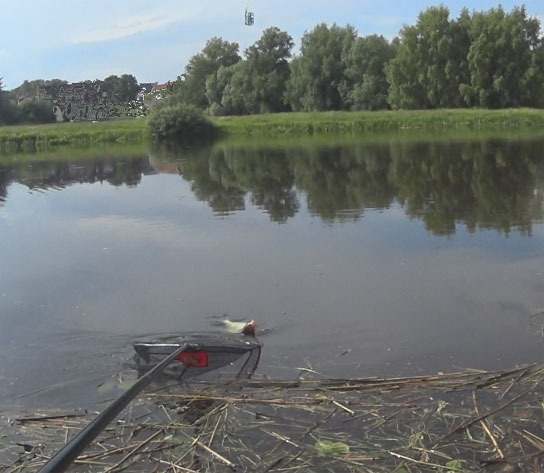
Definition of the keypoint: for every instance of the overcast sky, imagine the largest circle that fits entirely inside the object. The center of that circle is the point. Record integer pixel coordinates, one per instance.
(81, 39)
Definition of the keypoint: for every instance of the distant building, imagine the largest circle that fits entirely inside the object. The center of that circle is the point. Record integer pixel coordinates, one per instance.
(86, 101)
(145, 88)
(153, 88)
(160, 87)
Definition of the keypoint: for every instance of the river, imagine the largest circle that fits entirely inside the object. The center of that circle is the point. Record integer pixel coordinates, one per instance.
(357, 257)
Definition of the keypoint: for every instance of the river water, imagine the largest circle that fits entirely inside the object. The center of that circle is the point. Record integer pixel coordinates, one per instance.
(391, 256)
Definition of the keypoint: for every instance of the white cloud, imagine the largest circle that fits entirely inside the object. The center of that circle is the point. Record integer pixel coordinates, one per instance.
(132, 25)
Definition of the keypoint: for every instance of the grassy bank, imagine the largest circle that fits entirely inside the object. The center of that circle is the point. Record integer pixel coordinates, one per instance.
(33, 138)
(385, 121)
(39, 138)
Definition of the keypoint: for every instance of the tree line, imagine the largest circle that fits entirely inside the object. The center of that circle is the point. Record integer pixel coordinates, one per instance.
(491, 59)
(487, 59)
(23, 104)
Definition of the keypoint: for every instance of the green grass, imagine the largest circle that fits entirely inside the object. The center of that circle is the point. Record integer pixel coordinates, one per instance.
(297, 124)
(28, 139)
(32, 138)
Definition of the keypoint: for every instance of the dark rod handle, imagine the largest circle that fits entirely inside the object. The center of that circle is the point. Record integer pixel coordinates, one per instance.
(67, 454)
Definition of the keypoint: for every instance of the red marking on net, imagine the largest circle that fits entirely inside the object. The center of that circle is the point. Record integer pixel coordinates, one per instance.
(198, 359)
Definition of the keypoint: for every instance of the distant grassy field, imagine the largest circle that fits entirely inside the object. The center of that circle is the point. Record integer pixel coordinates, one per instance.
(363, 122)
(34, 138)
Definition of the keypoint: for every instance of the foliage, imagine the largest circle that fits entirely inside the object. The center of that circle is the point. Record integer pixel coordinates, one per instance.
(31, 89)
(318, 74)
(180, 123)
(257, 84)
(8, 112)
(366, 87)
(488, 59)
(505, 60)
(201, 67)
(331, 449)
(430, 61)
(36, 111)
(122, 89)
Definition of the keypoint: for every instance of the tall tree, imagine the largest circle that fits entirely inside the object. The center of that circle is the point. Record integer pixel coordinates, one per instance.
(430, 61)
(8, 111)
(318, 73)
(366, 87)
(504, 60)
(202, 66)
(2, 103)
(122, 88)
(127, 87)
(258, 84)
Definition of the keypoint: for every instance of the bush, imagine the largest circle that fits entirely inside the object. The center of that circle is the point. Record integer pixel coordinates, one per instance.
(36, 111)
(180, 123)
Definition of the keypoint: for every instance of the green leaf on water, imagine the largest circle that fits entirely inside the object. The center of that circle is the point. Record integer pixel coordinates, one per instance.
(454, 465)
(331, 449)
(126, 384)
(106, 387)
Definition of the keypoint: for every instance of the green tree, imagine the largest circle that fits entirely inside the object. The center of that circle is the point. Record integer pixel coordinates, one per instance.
(32, 89)
(505, 60)
(217, 53)
(232, 89)
(318, 73)
(258, 84)
(430, 61)
(8, 111)
(366, 87)
(122, 88)
(36, 111)
(2, 103)
(127, 87)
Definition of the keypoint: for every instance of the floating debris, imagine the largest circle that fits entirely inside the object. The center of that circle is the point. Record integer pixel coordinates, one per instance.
(447, 423)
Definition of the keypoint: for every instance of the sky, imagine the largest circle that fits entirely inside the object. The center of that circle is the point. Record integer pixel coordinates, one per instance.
(77, 40)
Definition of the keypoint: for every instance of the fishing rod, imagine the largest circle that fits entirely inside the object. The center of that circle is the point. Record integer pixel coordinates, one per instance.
(67, 454)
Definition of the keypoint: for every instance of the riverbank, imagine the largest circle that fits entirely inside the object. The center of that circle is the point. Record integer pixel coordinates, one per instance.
(37, 138)
(34, 138)
(457, 422)
(300, 124)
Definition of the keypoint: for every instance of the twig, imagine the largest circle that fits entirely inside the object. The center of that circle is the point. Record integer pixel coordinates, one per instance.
(133, 451)
(466, 425)
(419, 462)
(490, 435)
(341, 406)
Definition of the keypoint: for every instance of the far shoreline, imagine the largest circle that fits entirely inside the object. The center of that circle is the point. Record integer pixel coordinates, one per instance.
(32, 138)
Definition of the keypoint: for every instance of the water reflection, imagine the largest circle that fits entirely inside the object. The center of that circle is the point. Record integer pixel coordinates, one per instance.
(491, 184)
(482, 184)
(56, 175)
(382, 294)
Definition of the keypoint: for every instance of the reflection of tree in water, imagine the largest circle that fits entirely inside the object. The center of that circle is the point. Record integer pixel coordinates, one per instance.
(213, 181)
(490, 184)
(480, 183)
(341, 182)
(52, 174)
(224, 176)
(4, 182)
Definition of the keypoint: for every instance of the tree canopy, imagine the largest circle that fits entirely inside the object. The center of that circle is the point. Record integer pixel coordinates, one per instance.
(122, 89)
(490, 59)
